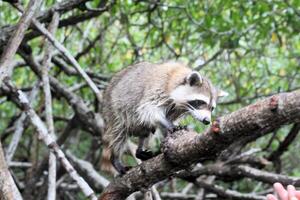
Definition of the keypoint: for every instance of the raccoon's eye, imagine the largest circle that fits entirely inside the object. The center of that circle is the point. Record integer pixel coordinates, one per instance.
(196, 103)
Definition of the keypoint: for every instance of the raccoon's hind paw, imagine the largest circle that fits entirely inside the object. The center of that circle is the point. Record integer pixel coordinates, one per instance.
(144, 154)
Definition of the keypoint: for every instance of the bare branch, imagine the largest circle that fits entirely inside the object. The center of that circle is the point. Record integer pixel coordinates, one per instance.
(86, 169)
(231, 194)
(8, 189)
(215, 56)
(51, 195)
(16, 39)
(285, 143)
(21, 100)
(19, 128)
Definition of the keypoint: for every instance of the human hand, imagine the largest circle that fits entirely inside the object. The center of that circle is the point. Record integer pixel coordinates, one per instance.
(290, 194)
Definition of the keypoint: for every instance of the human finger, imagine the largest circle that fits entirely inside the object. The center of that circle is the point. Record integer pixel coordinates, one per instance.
(291, 192)
(271, 197)
(281, 191)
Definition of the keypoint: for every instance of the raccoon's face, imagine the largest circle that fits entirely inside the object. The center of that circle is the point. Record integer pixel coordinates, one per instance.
(197, 96)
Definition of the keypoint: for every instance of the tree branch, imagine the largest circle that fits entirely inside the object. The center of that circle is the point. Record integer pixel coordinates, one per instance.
(51, 195)
(285, 143)
(8, 188)
(16, 39)
(188, 147)
(231, 194)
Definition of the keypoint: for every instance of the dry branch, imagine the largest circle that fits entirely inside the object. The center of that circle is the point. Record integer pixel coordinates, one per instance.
(8, 188)
(21, 100)
(45, 16)
(16, 39)
(20, 124)
(285, 143)
(51, 195)
(222, 170)
(88, 172)
(189, 147)
(230, 194)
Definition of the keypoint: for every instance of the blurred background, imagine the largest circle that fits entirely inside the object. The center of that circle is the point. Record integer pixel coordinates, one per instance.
(251, 49)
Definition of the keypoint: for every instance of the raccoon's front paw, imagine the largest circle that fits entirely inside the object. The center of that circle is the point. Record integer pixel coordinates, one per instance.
(144, 154)
(180, 127)
(177, 128)
(171, 128)
(124, 169)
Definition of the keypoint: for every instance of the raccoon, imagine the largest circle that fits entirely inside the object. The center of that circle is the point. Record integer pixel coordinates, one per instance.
(144, 97)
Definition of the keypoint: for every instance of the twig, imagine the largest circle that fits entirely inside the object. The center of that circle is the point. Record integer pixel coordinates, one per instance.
(177, 196)
(14, 42)
(51, 195)
(87, 170)
(19, 128)
(285, 143)
(199, 67)
(20, 164)
(238, 171)
(231, 194)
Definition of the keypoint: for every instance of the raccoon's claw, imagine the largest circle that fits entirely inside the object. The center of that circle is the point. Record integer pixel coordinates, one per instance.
(144, 154)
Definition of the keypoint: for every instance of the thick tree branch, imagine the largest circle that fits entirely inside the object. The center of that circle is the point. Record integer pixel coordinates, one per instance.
(189, 147)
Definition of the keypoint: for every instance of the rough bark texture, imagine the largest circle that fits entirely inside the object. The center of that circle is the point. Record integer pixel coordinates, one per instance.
(183, 148)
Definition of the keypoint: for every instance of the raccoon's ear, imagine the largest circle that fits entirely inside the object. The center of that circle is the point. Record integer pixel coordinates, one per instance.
(222, 93)
(194, 79)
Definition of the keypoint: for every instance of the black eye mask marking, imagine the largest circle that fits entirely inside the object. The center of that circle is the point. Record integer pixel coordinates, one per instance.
(196, 103)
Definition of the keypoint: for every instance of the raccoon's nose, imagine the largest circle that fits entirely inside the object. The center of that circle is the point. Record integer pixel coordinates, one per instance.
(206, 121)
